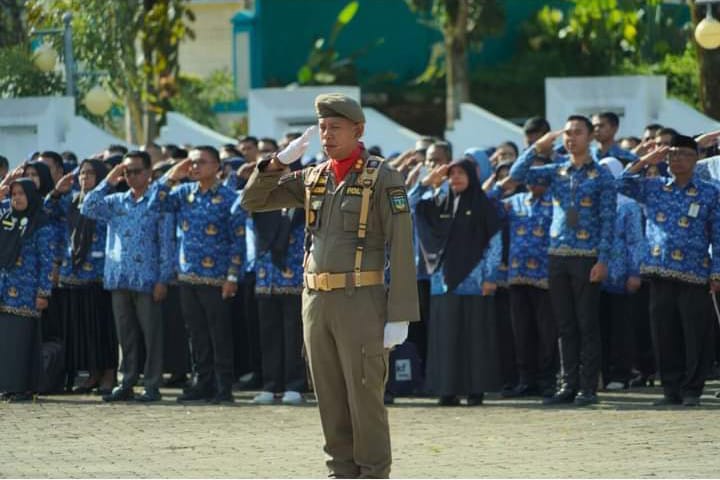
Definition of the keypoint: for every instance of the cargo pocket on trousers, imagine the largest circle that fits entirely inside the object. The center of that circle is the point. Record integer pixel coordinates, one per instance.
(374, 366)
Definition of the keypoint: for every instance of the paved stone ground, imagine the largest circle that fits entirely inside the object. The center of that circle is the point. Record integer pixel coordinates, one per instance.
(69, 436)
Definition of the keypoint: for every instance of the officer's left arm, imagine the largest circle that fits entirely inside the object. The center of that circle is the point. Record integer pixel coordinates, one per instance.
(394, 209)
(238, 218)
(608, 210)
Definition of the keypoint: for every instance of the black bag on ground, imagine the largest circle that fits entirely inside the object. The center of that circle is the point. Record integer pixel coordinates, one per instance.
(406, 376)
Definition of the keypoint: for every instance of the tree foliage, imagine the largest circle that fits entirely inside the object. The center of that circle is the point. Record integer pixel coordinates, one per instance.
(135, 42)
(20, 78)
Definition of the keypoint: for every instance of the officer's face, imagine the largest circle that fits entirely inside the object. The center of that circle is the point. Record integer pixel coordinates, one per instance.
(136, 175)
(339, 136)
(576, 137)
(458, 180)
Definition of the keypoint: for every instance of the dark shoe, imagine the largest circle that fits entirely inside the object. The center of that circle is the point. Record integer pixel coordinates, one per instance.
(520, 390)
(21, 398)
(560, 397)
(119, 394)
(149, 395)
(717, 395)
(196, 394)
(249, 381)
(85, 389)
(691, 401)
(667, 401)
(583, 399)
(223, 397)
(388, 398)
(176, 381)
(475, 399)
(449, 401)
(102, 391)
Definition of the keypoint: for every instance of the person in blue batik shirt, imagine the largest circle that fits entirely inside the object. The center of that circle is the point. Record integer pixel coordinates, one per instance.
(211, 253)
(459, 231)
(138, 266)
(83, 305)
(25, 283)
(529, 216)
(279, 237)
(683, 223)
(606, 125)
(580, 244)
(621, 288)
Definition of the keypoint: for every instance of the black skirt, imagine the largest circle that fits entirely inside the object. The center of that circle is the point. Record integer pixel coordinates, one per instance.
(88, 328)
(463, 355)
(20, 353)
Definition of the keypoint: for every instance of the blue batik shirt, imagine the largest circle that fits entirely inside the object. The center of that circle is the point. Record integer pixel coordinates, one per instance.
(530, 219)
(485, 271)
(271, 280)
(589, 190)
(30, 277)
(91, 269)
(139, 250)
(628, 248)
(210, 241)
(683, 222)
(625, 156)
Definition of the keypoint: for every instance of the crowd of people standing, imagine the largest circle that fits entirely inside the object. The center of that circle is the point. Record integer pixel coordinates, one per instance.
(578, 263)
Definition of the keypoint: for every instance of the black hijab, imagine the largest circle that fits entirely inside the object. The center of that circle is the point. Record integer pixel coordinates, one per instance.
(46, 181)
(82, 228)
(457, 241)
(16, 226)
(272, 232)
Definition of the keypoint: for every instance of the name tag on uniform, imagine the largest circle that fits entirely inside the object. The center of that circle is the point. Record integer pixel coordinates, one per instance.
(694, 210)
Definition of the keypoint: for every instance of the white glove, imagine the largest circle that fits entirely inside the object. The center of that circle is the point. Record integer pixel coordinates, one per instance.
(395, 333)
(296, 148)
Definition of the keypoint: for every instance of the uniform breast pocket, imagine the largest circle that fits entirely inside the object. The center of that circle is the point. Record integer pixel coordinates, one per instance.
(350, 208)
(314, 212)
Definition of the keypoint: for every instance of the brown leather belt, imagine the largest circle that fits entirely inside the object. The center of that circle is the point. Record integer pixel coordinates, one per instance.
(325, 282)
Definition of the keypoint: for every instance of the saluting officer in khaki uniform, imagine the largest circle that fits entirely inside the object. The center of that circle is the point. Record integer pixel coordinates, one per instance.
(357, 216)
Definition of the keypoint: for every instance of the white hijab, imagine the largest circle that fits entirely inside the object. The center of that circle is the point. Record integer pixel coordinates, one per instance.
(616, 169)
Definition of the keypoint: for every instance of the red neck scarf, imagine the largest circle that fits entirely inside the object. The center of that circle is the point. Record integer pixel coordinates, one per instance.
(342, 167)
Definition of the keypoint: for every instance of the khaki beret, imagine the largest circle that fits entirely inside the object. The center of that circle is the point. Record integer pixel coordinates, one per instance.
(338, 105)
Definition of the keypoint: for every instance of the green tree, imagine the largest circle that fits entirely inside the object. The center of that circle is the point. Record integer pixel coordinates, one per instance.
(135, 42)
(464, 24)
(708, 64)
(20, 78)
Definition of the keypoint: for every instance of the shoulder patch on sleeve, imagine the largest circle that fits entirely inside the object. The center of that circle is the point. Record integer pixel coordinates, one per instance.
(398, 200)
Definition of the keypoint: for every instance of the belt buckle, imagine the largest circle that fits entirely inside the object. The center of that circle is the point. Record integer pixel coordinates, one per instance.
(323, 281)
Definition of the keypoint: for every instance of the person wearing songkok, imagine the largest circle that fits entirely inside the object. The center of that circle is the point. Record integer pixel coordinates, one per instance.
(210, 255)
(460, 229)
(580, 244)
(83, 305)
(25, 283)
(139, 263)
(683, 224)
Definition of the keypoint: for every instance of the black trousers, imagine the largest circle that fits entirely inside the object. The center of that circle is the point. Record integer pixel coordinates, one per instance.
(281, 339)
(616, 332)
(681, 329)
(176, 348)
(536, 338)
(253, 355)
(506, 338)
(643, 358)
(575, 304)
(139, 322)
(417, 331)
(207, 318)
